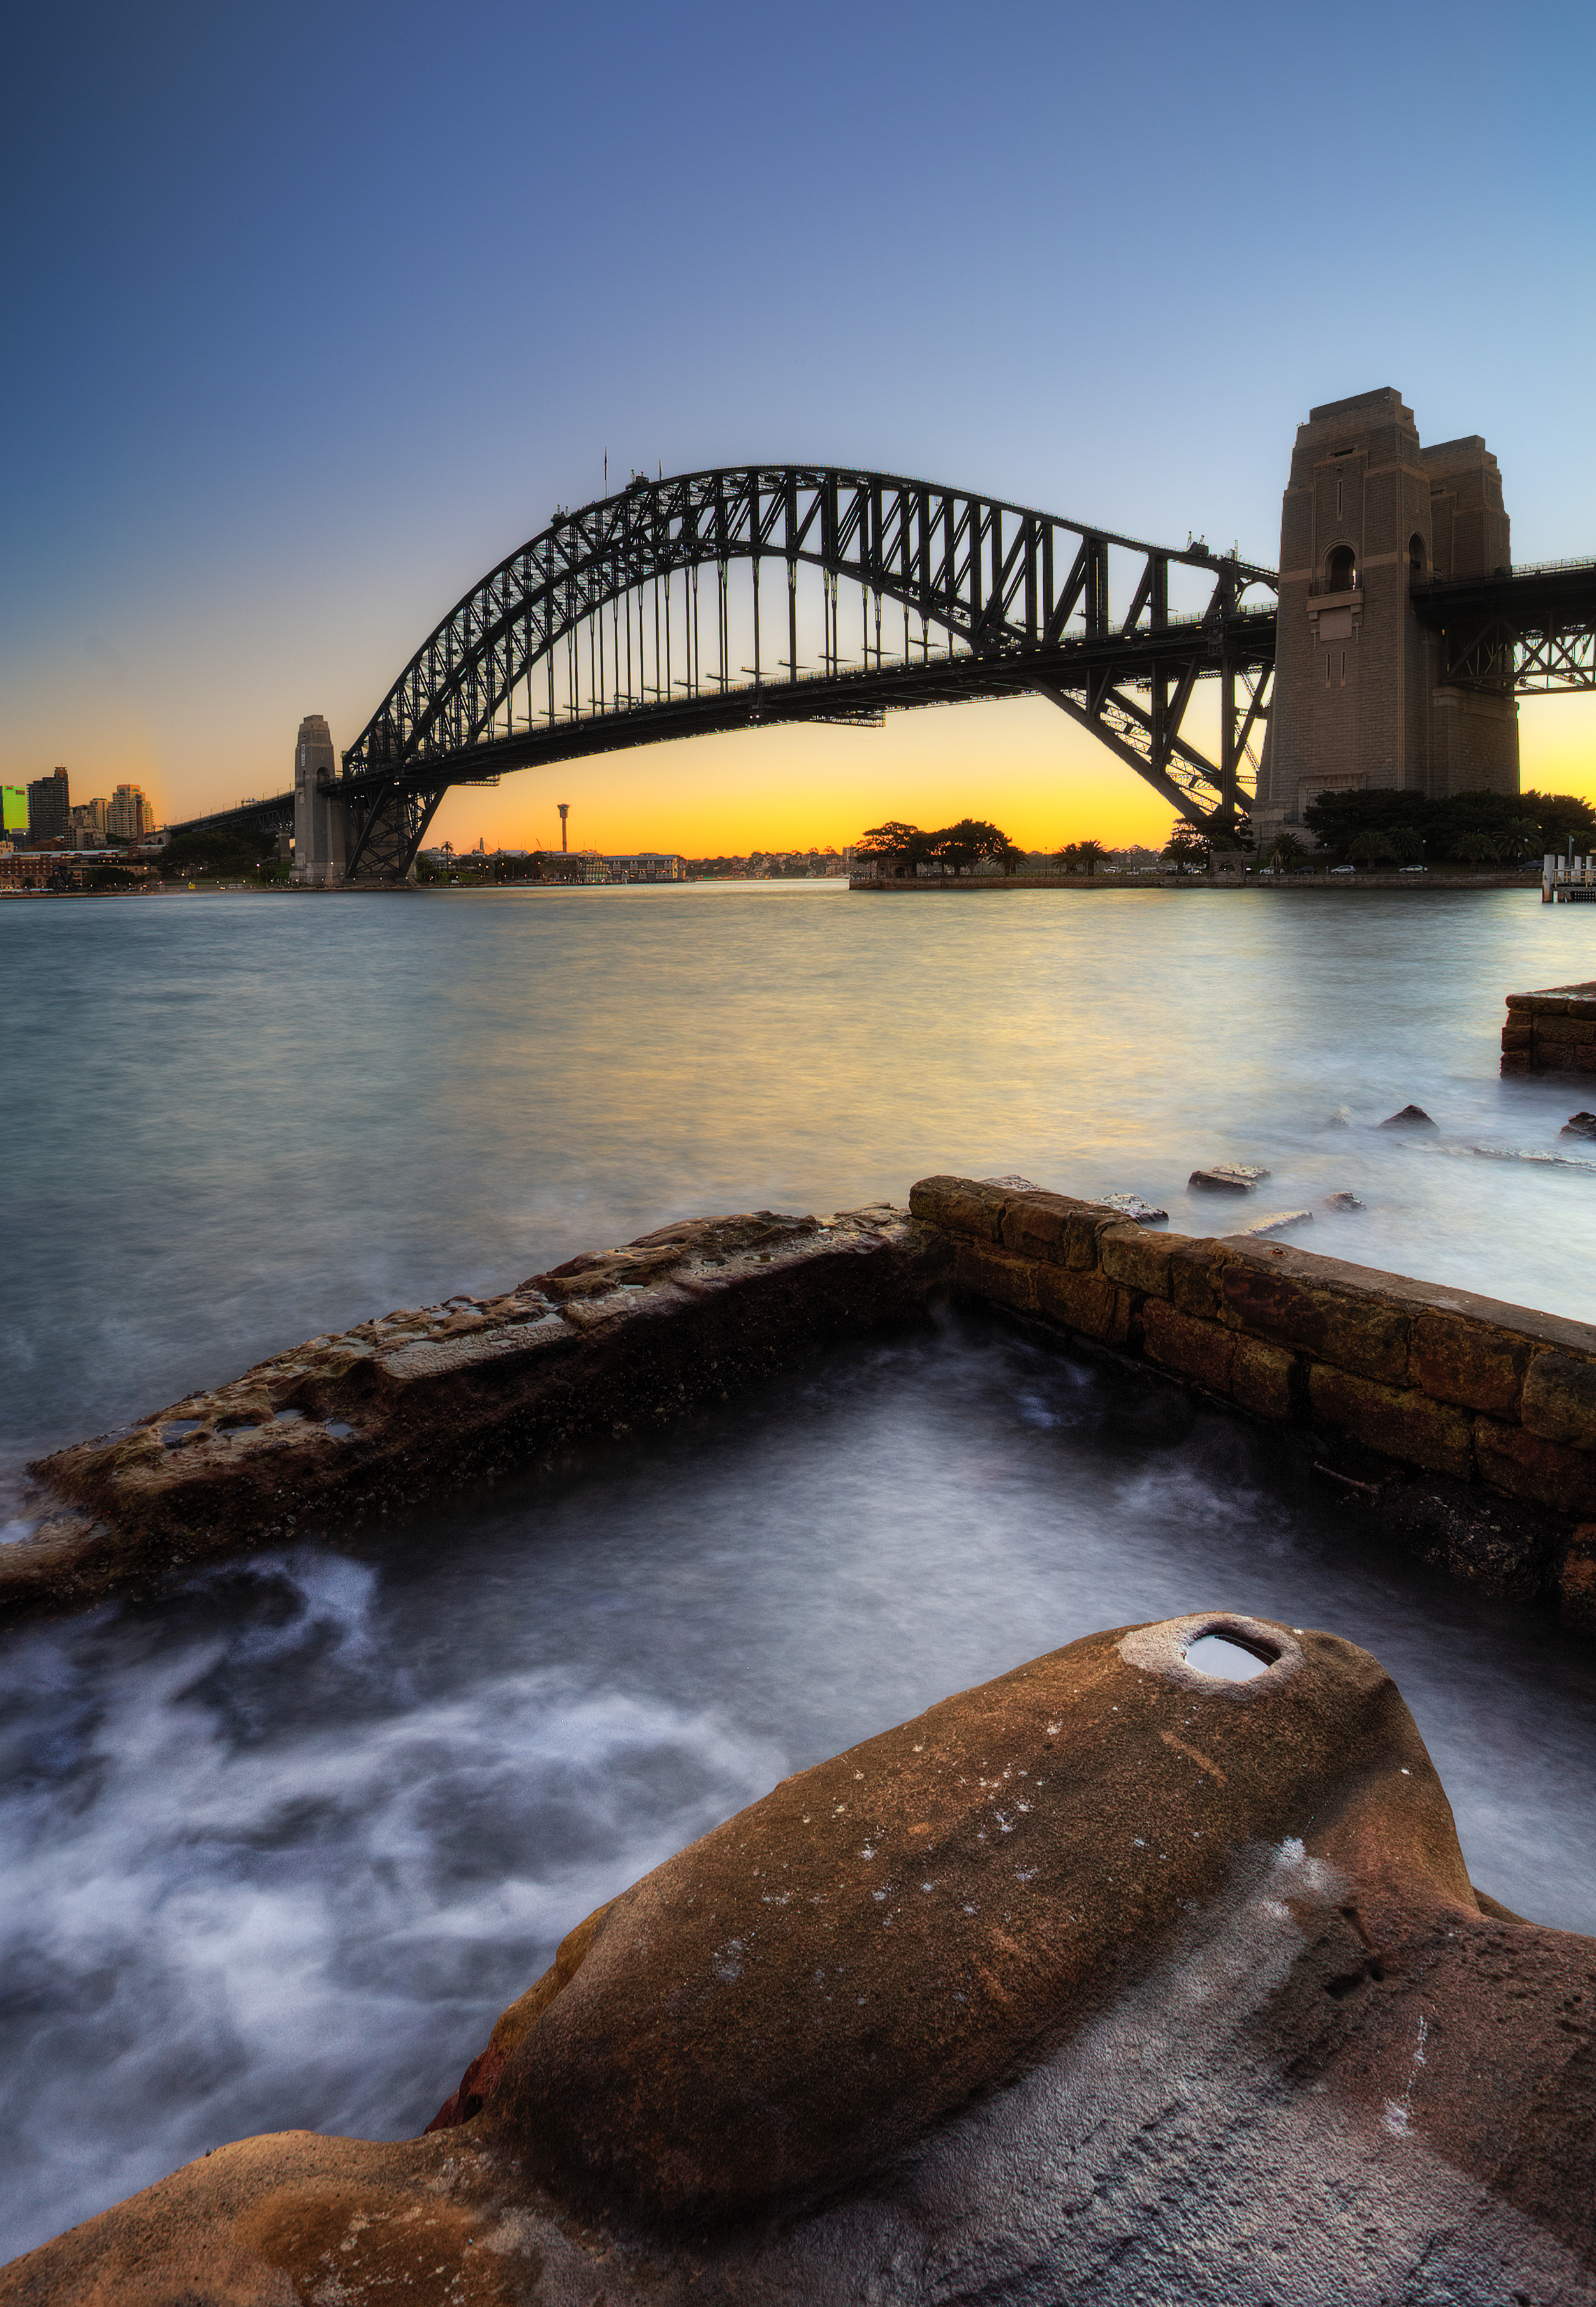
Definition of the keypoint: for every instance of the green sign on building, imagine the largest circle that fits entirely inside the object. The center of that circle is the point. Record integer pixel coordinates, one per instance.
(13, 809)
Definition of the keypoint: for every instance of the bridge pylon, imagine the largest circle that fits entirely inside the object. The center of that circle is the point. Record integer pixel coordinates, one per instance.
(321, 819)
(1360, 701)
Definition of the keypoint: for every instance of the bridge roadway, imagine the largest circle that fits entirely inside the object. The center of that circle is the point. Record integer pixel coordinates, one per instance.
(592, 638)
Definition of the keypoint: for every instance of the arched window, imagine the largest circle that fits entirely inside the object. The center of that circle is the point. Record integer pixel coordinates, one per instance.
(1416, 553)
(1342, 569)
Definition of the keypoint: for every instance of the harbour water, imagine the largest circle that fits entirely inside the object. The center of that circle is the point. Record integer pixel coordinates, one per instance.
(275, 1847)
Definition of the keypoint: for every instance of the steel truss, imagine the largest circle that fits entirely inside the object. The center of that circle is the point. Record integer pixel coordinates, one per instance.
(1516, 632)
(592, 637)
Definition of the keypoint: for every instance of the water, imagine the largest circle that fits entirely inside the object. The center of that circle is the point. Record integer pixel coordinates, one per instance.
(276, 1848)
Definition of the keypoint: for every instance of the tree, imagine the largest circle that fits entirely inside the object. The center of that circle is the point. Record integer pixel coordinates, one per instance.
(1082, 856)
(1557, 816)
(1286, 852)
(1370, 848)
(1188, 848)
(965, 843)
(892, 839)
(1407, 844)
(1477, 848)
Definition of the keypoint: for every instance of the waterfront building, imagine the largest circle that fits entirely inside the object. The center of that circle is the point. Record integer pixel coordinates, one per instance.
(13, 812)
(647, 865)
(90, 816)
(49, 806)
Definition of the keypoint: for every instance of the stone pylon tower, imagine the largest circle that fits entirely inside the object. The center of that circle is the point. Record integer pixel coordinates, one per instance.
(1368, 514)
(320, 830)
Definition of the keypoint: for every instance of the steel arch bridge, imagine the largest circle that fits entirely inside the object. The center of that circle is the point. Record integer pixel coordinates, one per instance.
(621, 624)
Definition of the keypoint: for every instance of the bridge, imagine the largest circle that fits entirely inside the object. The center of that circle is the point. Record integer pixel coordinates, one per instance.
(762, 594)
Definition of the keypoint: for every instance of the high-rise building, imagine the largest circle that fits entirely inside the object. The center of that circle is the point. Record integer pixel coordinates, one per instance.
(89, 817)
(13, 812)
(128, 815)
(49, 806)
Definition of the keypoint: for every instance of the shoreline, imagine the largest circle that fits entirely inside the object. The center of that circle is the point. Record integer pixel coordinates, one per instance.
(1465, 1425)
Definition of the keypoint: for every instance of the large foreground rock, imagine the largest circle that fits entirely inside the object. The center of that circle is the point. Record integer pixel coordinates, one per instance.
(1104, 1981)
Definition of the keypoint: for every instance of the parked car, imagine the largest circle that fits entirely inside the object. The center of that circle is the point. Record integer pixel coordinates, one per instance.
(1415, 869)
(1343, 869)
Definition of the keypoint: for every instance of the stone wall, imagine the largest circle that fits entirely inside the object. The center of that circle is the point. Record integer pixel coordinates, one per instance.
(1550, 1033)
(1468, 1424)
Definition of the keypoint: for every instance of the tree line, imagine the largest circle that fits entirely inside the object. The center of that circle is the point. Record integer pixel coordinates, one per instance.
(1351, 828)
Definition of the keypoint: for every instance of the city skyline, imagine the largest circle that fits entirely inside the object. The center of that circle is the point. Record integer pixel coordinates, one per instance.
(236, 511)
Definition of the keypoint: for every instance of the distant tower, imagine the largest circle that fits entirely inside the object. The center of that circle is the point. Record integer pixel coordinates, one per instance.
(320, 823)
(1367, 515)
(564, 809)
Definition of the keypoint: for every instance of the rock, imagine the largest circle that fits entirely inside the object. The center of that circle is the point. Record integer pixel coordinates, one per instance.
(1340, 1119)
(1021, 1185)
(1226, 1177)
(1132, 1206)
(1579, 1125)
(1412, 1117)
(1343, 1202)
(1037, 1996)
(1276, 1222)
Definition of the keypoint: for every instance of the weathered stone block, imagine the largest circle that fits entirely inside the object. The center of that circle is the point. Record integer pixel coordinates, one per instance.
(1138, 1259)
(1559, 1399)
(960, 1206)
(1527, 1002)
(1084, 1301)
(1516, 1037)
(1561, 1027)
(1055, 1227)
(990, 1273)
(1261, 1378)
(1195, 1264)
(1527, 1466)
(1358, 1330)
(1202, 1352)
(1577, 1585)
(1516, 1061)
(1469, 1362)
(1398, 1422)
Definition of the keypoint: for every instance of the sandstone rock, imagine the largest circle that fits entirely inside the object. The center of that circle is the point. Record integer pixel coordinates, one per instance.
(1278, 1221)
(1024, 1184)
(1227, 1178)
(1132, 1206)
(1411, 1116)
(1105, 1980)
(1343, 1202)
(1579, 1125)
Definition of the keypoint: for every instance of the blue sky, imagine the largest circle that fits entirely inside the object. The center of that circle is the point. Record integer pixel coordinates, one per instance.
(315, 312)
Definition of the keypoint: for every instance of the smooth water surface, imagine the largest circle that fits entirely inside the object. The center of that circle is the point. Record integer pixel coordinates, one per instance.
(276, 1848)
(232, 1120)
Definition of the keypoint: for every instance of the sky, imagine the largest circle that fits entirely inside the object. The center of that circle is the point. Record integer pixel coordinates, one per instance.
(315, 314)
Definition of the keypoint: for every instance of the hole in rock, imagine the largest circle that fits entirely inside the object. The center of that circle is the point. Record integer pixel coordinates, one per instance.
(178, 1428)
(1227, 1660)
(287, 1417)
(339, 1428)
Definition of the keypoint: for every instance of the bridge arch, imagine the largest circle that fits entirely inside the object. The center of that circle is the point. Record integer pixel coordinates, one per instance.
(592, 636)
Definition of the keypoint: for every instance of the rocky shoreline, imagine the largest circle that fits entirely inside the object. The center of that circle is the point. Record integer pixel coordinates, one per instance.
(1465, 1427)
(1112, 1978)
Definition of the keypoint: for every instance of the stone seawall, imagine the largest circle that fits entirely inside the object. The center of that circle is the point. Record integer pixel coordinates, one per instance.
(1470, 1425)
(1552, 1032)
(428, 1400)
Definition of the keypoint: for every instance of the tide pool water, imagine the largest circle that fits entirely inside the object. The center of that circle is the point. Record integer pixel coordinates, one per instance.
(278, 1845)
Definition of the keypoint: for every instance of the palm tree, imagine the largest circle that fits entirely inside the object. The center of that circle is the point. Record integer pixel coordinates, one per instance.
(1286, 852)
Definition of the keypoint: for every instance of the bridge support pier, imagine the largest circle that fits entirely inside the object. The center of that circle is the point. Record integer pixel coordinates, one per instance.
(320, 821)
(1359, 702)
